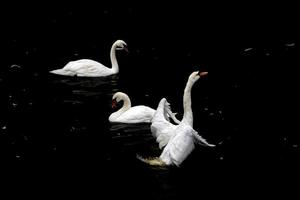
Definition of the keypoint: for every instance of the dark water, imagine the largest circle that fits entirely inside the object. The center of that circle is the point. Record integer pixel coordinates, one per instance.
(55, 136)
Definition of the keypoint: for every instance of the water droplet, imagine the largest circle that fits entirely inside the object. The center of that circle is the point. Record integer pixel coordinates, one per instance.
(72, 129)
(220, 111)
(19, 156)
(295, 146)
(206, 109)
(14, 105)
(290, 44)
(267, 54)
(4, 127)
(247, 49)
(221, 158)
(211, 114)
(15, 67)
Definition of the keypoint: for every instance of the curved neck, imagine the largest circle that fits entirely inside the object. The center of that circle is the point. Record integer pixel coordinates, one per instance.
(114, 62)
(187, 104)
(125, 107)
(126, 103)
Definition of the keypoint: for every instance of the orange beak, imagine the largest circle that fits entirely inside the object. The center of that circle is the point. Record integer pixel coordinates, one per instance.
(202, 73)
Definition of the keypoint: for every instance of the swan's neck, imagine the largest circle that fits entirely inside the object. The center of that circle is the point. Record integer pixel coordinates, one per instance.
(126, 106)
(114, 62)
(187, 104)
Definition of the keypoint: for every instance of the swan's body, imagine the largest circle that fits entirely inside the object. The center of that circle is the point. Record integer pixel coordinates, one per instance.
(180, 138)
(91, 68)
(128, 114)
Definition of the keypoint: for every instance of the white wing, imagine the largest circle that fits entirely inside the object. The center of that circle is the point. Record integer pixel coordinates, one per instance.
(169, 114)
(200, 140)
(161, 128)
(181, 144)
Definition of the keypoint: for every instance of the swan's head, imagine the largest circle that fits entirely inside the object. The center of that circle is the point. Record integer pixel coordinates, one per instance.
(121, 45)
(196, 75)
(117, 97)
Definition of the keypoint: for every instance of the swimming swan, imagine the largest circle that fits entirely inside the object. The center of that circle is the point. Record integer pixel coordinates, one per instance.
(136, 114)
(128, 114)
(91, 68)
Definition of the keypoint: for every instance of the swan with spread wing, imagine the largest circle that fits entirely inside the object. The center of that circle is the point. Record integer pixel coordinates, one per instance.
(178, 140)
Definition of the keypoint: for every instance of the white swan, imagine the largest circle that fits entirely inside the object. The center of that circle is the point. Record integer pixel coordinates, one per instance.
(91, 68)
(128, 114)
(136, 114)
(182, 138)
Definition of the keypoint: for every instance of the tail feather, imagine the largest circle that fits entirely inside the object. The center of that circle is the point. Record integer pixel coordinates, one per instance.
(63, 72)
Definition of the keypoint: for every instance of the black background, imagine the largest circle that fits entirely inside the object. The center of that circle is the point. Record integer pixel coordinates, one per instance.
(245, 105)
